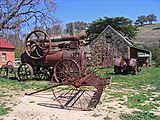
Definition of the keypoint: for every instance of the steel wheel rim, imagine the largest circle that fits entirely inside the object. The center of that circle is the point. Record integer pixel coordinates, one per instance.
(25, 72)
(68, 97)
(66, 70)
(36, 46)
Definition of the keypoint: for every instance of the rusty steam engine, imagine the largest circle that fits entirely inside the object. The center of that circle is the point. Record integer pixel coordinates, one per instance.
(45, 55)
(61, 59)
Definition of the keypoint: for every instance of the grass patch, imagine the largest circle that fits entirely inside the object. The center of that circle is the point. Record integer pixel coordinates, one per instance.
(136, 100)
(156, 98)
(141, 88)
(111, 109)
(148, 76)
(117, 94)
(107, 118)
(148, 107)
(16, 85)
(100, 71)
(96, 115)
(3, 95)
(3, 109)
(7, 86)
(137, 115)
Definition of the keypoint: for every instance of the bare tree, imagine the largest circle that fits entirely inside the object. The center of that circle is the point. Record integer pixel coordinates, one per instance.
(31, 13)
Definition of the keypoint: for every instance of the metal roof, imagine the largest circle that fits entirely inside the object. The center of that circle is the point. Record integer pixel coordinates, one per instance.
(6, 44)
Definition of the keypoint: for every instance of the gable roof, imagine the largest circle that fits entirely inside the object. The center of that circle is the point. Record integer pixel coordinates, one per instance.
(121, 37)
(117, 33)
(6, 44)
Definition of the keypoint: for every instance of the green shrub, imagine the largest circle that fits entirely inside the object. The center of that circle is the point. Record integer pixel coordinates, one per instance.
(156, 56)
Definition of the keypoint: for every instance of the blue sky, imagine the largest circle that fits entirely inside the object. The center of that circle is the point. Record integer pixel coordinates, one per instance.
(90, 10)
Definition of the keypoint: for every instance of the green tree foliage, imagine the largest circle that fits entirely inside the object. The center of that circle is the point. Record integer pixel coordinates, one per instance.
(141, 20)
(156, 56)
(54, 30)
(121, 24)
(75, 26)
(152, 18)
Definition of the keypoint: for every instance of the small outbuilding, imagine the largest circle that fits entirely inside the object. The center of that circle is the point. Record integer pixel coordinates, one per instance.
(111, 44)
(7, 51)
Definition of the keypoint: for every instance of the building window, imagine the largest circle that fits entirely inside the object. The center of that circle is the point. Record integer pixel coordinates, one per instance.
(108, 39)
(4, 57)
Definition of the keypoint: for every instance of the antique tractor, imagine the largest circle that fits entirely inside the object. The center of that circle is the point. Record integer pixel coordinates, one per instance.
(61, 59)
(126, 66)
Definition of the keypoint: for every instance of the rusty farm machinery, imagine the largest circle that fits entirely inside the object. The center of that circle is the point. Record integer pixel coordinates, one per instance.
(126, 66)
(7, 69)
(62, 60)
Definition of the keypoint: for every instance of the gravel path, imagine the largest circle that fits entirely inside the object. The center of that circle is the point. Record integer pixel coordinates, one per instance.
(28, 108)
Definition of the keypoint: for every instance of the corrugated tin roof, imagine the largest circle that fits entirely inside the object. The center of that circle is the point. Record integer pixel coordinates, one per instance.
(6, 44)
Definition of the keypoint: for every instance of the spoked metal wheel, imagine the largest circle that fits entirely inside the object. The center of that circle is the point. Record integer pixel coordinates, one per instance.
(9, 66)
(37, 44)
(25, 72)
(70, 97)
(66, 70)
(43, 73)
(6, 68)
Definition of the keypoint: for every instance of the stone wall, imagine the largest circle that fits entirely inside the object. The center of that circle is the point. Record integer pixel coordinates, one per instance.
(108, 45)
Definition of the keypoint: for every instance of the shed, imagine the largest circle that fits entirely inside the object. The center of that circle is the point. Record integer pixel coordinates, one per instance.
(7, 51)
(111, 44)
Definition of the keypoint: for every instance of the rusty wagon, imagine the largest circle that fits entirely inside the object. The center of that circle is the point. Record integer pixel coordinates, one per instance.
(61, 59)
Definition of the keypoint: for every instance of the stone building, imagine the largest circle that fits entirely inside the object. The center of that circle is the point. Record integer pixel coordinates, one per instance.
(7, 51)
(109, 45)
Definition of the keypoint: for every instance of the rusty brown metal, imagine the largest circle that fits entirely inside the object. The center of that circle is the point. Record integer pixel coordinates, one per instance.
(7, 69)
(88, 91)
(25, 72)
(67, 38)
(65, 64)
(126, 66)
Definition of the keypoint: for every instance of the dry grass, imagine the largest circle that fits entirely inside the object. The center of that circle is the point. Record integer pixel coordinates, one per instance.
(148, 35)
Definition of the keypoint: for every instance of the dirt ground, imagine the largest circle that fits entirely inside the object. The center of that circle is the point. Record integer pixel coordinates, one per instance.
(32, 108)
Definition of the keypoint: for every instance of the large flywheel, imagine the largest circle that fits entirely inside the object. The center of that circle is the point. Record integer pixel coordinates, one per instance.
(37, 44)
